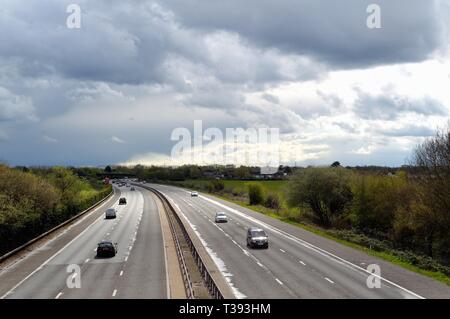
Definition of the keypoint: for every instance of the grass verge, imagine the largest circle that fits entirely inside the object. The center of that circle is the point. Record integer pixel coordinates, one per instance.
(439, 276)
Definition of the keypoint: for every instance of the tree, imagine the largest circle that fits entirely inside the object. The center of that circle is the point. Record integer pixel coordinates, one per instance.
(336, 164)
(255, 194)
(108, 169)
(242, 172)
(432, 160)
(325, 191)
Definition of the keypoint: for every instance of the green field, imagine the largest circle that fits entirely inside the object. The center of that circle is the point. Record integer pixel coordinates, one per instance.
(238, 186)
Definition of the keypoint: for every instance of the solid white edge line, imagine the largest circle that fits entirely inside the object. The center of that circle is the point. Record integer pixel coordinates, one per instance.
(57, 253)
(307, 244)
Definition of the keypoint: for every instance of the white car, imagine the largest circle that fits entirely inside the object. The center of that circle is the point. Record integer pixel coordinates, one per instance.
(194, 194)
(221, 217)
(110, 213)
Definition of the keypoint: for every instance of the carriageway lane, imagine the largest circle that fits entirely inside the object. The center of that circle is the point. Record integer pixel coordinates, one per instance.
(137, 271)
(290, 268)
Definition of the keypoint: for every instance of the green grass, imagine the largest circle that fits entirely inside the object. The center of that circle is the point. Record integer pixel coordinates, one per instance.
(324, 233)
(293, 217)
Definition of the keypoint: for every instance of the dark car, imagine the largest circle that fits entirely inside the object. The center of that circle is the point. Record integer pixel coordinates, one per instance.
(106, 248)
(122, 201)
(257, 238)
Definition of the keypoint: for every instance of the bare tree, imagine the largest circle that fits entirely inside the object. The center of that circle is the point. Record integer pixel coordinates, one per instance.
(432, 159)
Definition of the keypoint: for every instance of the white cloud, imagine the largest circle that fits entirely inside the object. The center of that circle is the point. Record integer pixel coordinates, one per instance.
(50, 139)
(118, 140)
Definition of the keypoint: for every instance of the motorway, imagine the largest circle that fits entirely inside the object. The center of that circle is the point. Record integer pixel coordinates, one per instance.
(298, 264)
(137, 271)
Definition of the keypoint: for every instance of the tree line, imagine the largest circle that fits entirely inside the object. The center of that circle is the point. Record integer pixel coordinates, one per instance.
(35, 200)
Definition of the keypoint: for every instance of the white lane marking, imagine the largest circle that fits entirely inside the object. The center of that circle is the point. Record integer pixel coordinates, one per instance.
(282, 250)
(51, 257)
(126, 258)
(121, 273)
(225, 273)
(58, 295)
(306, 244)
(114, 292)
(219, 262)
(302, 263)
(279, 281)
(87, 260)
(328, 279)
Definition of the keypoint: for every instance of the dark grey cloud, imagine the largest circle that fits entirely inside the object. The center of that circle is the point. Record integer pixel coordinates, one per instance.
(333, 31)
(389, 106)
(70, 96)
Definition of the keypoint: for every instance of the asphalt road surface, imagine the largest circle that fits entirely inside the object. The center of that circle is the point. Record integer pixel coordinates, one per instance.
(137, 271)
(298, 264)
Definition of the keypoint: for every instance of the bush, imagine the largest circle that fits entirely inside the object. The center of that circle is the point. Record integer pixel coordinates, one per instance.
(273, 201)
(216, 186)
(326, 191)
(32, 203)
(255, 194)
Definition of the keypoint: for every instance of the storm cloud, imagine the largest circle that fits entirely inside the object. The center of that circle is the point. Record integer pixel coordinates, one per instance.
(115, 89)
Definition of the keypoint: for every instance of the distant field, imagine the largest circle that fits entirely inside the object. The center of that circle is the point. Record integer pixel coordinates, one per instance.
(240, 186)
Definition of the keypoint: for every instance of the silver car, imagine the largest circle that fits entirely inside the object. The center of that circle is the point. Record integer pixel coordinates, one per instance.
(257, 238)
(221, 217)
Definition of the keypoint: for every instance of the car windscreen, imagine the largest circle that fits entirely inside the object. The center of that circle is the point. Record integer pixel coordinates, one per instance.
(105, 245)
(258, 233)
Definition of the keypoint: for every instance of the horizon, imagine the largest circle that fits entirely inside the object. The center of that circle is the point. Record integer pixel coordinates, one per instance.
(121, 78)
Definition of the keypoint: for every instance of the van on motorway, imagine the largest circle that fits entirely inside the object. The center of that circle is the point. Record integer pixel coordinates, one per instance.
(257, 238)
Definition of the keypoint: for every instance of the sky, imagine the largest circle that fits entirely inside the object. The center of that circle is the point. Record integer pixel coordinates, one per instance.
(114, 90)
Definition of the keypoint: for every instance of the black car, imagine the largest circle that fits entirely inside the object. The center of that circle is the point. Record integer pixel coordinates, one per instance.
(257, 238)
(122, 201)
(106, 248)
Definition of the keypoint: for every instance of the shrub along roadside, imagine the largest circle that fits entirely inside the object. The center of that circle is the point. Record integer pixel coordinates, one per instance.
(32, 203)
(376, 243)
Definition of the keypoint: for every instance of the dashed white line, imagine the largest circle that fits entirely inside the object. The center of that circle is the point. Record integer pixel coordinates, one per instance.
(114, 292)
(121, 273)
(282, 250)
(87, 260)
(279, 281)
(328, 279)
(58, 295)
(302, 263)
(126, 258)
